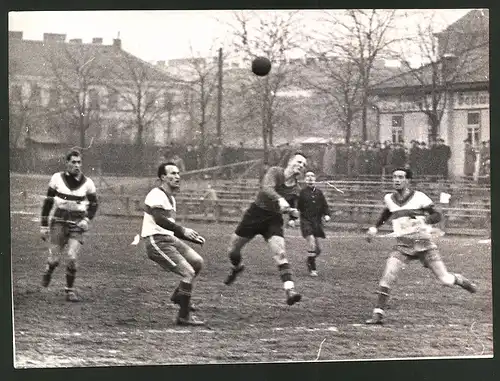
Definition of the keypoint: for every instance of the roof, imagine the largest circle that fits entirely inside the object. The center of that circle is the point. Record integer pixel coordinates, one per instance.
(475, 20)
(473, 67)
(36, 58)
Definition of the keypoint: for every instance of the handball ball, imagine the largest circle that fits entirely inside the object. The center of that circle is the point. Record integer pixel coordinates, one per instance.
(261, 66)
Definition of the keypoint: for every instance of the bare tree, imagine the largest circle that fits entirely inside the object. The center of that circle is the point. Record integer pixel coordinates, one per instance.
(358, 37)
(142, 89)
(273, 35)
(339, 84)
(199, 83)
(76, 77)
(447, 60)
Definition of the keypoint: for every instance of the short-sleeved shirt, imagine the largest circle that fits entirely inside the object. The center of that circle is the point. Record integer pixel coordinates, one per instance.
(157, 198)
(402, 221)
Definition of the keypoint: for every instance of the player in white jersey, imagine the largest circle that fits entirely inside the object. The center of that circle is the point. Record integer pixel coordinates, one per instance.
(74, 198)
(412, 214)
(162, 236)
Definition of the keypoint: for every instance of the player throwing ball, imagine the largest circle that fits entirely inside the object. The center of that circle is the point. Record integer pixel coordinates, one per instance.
(412, 213)
(313, 209)
(278, 191)
(163, 236)
(75, 199)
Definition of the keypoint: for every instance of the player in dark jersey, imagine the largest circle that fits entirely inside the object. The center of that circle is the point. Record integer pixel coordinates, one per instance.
(313, 209)
(278, 194)
(74, 199)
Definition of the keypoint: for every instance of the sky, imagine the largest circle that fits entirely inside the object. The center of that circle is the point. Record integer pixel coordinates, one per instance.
(162, 35)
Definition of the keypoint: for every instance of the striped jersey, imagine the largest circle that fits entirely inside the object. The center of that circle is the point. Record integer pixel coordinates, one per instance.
(71, 195)
(157, 198)
(402, 222)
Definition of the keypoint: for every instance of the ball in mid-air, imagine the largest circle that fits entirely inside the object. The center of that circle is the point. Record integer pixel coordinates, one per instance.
(261, 66)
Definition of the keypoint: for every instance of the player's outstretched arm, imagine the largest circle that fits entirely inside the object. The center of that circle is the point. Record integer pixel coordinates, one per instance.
(434, 216)
(161, 218)
(48, 203)
(384, 216)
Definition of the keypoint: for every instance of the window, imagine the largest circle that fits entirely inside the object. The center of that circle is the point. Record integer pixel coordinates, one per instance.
(112, 100)
(397, 128)
(94, 99)
(36, 93)
(53, 98)
(474, 127)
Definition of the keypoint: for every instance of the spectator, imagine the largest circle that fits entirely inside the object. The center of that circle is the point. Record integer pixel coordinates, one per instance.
(443, 153)
(469, 159)
(179, 162)
(424, 159)
(190, 159)
(398, 156)
(415, 157)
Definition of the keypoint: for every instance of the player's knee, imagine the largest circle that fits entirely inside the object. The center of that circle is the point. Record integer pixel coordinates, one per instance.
(318, 250)
(71, 267)
(198, 265)
(235, 257)
(187, 272)
(280, 258)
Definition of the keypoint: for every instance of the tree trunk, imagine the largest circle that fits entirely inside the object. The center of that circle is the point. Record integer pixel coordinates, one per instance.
(364, 116)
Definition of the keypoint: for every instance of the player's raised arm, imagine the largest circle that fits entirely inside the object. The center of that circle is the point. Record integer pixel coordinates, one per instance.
(269, 183)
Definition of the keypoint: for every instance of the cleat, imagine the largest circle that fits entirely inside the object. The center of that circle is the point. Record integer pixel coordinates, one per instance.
(292, 297)
(71, 296)
(377, 317)
(233, 274)
(46, 279)
(176, 301)
(465, 283)
(313, 273)
(189, 321)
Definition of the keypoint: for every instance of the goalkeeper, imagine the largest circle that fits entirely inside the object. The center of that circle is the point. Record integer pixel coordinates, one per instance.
(163, 243)
(278, 191)
(412, 214)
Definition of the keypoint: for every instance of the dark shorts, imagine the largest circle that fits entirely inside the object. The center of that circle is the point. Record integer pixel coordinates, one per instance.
(62, 231)
(257, 221)
(314, 228)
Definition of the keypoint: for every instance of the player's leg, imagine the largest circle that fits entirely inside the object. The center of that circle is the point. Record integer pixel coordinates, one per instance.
(393, 266)
(55, 246)
(311, 254)
(74, 246)
(195, 261)
(276, 244)
(236, 244)
(163, 251)
(433, 260)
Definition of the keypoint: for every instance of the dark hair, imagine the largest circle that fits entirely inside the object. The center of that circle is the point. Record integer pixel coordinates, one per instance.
(407, 171)
(162, 168)
(298, 153)
(72, 153)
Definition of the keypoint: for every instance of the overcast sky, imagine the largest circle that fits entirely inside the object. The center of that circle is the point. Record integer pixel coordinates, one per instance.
(157, 35)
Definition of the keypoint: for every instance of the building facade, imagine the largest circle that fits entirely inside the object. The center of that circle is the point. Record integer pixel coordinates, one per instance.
(454, 89)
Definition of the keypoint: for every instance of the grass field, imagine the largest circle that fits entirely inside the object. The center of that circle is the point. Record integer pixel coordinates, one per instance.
(125, 316)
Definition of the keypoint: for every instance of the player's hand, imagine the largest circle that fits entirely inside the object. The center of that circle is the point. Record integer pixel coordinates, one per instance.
(191, 234)
(326, 218)
(83, 224)
(44, 232)
(294, 213)
(372, 232)
(291, 223)
(283, 204)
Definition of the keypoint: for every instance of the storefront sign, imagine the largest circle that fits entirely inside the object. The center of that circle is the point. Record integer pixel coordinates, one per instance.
(472, 99)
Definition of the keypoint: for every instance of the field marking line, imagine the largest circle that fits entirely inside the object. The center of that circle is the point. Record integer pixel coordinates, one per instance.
(319, 350)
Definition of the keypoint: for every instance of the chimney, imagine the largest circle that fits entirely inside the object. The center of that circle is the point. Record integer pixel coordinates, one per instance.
(76, 40)
(448, 66)
(15, 35)
(117, 43)
(97, 40)
(54, 37)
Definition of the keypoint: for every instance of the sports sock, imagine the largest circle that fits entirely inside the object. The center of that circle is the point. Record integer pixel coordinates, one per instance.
(285, 272)
(235, 258)
(383, 297)
(184, 296)
(311, 260)
(51, 266)
(70, 276)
